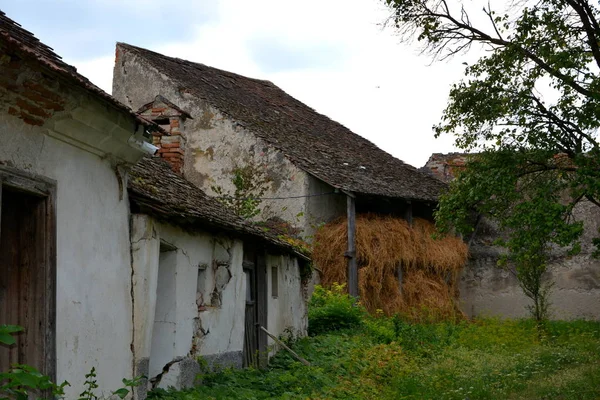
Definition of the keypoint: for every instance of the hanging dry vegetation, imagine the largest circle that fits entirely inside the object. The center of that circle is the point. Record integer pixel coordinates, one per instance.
(384, 245)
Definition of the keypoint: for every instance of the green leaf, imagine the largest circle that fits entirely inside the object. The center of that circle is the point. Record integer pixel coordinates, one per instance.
(122, 393)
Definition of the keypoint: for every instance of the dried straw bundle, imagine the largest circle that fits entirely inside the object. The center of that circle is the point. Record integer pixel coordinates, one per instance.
(429, 266)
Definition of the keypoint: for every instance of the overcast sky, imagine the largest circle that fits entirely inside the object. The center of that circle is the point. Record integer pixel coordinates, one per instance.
(331, 54)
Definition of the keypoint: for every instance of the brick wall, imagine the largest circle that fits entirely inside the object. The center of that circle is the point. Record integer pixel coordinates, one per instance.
(29, 95)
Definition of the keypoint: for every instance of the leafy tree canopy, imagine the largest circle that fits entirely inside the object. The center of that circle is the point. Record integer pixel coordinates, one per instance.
(528, 108)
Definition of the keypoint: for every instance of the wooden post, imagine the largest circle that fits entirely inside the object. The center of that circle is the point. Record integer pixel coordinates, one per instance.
(351, 253)
(408, 213)
(399, 271)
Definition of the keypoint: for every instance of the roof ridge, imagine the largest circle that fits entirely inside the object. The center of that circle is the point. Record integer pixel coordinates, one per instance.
(224, 72)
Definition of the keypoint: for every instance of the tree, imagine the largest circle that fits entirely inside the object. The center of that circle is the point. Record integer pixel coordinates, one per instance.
(530, 110)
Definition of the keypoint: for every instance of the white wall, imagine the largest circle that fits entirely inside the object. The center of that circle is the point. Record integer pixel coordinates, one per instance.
(288, 312)
(93, 311)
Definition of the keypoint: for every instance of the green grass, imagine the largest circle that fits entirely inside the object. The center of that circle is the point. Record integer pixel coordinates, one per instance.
(387, 359)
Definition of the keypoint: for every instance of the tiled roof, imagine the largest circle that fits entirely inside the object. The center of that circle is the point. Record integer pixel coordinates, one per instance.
(156, 190)
(13, 34)
(312, 141)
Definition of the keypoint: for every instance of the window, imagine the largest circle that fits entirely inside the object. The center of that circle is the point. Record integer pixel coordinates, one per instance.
(274, 282)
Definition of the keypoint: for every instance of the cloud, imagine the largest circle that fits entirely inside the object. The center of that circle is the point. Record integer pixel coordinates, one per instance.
(275, 55)
(332, 55)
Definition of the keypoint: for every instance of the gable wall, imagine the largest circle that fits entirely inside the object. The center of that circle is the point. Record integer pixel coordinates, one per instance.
(216, 145)
(93, 301)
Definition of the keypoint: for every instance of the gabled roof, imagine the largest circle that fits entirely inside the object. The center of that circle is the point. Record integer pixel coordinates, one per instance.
(156, 190)
(161, 99)
(312, 141)
(27, 44)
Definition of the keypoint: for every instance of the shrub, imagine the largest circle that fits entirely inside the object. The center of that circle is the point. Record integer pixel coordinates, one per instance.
(333, 309)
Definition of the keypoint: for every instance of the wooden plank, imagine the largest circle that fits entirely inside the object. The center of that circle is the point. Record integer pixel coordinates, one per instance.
(351, 253)
(49, 288)
(292, 352)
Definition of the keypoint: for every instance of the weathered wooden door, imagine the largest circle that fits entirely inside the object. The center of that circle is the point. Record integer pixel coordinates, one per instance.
(255, 340)
(27, 272)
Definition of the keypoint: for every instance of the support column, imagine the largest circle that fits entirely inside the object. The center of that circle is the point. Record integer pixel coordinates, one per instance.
(351, 253)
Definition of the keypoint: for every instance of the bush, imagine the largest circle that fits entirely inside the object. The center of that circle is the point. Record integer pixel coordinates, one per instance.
(333, 309)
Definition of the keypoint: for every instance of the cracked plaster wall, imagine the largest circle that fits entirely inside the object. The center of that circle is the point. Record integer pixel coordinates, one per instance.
(216, 144)
(199, 301)
(287, 313)
(93, 302)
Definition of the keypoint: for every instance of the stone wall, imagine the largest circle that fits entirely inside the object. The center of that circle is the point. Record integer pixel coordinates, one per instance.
(488, 290)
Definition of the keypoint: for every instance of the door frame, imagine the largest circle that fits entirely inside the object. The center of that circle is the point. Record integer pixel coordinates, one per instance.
(45, 189)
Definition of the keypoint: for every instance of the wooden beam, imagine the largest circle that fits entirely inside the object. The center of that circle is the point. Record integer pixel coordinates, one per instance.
(279, 342)
(351, 253)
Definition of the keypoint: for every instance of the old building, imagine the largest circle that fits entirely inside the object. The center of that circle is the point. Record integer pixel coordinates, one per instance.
(65, 272)
(204, 281)
(489, 290)
(220, 121)
(126, 274)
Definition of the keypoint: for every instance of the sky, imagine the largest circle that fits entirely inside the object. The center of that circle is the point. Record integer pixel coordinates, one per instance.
(334, 55)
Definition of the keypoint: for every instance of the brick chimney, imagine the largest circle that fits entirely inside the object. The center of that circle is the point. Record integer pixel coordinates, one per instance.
(171, 118)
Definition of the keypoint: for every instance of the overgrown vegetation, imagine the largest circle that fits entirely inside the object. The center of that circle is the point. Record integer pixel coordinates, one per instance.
(388, 358)
(250, 183)
(387, 246)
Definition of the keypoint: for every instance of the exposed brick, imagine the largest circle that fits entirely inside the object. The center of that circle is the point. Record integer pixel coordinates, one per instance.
(32, 109)
(171, 152)
(44, 91)
(174, 123)
(13, 111)
(171, 145)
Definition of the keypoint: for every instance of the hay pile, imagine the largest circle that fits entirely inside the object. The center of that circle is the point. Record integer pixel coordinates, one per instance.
(430, 266)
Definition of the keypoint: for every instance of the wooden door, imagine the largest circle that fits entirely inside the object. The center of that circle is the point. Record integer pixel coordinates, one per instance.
(255, 340)
(27, 275)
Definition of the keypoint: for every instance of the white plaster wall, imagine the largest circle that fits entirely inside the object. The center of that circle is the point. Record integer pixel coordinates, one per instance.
(289, 310)
(203, 327)
(215, 144)
(93, 312)
(145, 245)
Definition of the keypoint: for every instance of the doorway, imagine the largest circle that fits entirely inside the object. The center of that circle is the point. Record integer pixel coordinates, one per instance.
(28, 270)
(255, 340)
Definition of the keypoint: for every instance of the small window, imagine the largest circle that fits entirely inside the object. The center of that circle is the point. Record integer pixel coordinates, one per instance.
(162, 121)
(274, 282)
